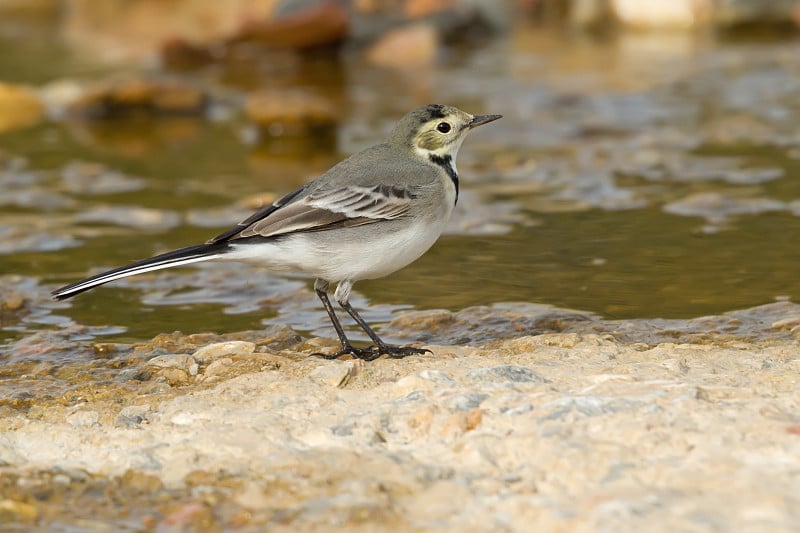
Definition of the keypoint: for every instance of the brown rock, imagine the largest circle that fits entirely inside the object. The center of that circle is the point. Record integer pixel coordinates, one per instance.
(422, 8)
(136, 29)
(140, 97)
(290, 112)
(406, 47)
(322, 24)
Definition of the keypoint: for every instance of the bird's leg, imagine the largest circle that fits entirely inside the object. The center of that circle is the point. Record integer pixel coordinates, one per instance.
(321, 288)
(342, 296)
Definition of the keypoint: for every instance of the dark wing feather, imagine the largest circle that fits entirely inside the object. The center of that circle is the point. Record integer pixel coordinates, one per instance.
(321, 210)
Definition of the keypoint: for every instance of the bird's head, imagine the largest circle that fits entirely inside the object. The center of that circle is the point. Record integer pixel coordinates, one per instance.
(436, 130)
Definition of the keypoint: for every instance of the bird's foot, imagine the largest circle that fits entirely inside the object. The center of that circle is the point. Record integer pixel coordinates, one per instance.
(371, 353)
(399, 352)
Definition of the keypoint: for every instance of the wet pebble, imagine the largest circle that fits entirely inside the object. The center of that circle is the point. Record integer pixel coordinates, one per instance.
(81, 177)
(184, 362)
(132, 216)
(718, 207)
(212, 352)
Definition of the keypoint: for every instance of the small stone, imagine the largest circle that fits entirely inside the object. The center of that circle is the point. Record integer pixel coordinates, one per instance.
(466, 402)
(414, 323)
(132, 415)
(172, 360)
(210, 353)
(128, 374)
(786, 323)
(218, 367)
(174, 376)
(333, 374)
(84, 418)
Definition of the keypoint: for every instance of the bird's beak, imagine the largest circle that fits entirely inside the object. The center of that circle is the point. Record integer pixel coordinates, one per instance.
(479, 120)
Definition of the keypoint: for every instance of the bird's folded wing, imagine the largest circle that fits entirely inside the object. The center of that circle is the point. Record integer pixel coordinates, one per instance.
(320, 210)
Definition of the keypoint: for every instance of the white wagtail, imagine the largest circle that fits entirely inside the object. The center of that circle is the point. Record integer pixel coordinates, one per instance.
(368, 216)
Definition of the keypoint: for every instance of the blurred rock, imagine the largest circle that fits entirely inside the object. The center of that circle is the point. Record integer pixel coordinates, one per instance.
(174, 360)
(299, 25)
(212, 352)
(137, 29)
(131, 216)
(28, 9)
(140, 97)
(334, 373)
(135, 135)
(82, 177)
(291, 112)
(656, 14)
(732, 14)
(294, 26)
(409, 46)
(20, 107)
(83, 418)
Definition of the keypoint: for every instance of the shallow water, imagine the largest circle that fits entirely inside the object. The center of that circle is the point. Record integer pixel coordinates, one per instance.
(638, 177)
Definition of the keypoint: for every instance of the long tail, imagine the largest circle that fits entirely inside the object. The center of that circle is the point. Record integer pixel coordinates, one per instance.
(183, 256)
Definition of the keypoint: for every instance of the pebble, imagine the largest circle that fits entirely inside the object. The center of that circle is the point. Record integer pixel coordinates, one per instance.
(218, 367)
(184, 362)
(84, 418)
(132, 415)
(210, 353)
(333, 374)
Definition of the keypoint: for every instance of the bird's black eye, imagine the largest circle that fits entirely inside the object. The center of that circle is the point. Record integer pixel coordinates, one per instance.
(443, 127)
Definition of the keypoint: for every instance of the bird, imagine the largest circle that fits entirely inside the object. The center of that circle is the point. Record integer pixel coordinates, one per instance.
(368, 216)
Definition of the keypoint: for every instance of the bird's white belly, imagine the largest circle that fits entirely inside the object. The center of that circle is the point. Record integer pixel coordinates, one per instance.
(366, 252)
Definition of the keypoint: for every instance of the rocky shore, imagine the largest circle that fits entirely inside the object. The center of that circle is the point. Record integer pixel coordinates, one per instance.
(528, 417)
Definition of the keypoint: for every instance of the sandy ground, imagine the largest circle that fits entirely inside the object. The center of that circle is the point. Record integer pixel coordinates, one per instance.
(532, 418)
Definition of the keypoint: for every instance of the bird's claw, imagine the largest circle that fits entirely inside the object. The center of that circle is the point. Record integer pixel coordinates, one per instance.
(371, 353)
